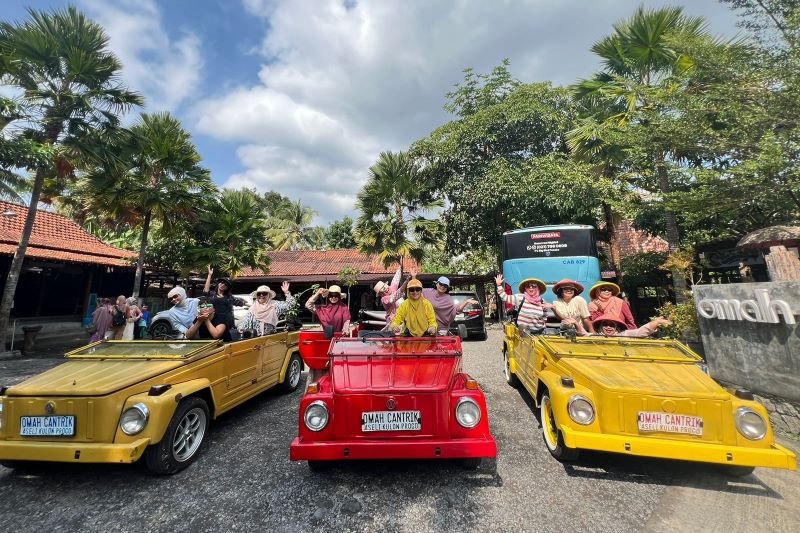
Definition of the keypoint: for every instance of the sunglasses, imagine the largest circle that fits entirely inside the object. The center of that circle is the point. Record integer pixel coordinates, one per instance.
(334, 295)
(260, 294)
(415, 289)
(567, 289)
(174, 297)
(529, 285)
(608, 325)
(606, 289)
(203, 306)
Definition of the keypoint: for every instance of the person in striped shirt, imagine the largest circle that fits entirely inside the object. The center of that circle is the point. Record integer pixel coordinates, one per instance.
(531, 309)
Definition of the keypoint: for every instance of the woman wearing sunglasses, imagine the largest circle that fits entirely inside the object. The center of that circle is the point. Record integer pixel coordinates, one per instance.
(528, 302)
(183, 310)
(211, 323)
(415, 316)
(335, 313)
(262, 316)
(611, 326)
(605, 301)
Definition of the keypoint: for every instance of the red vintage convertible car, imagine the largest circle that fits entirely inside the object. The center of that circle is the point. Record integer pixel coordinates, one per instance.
(389, 398)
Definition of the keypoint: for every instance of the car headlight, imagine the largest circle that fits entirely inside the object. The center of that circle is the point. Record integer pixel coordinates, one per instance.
(468, 414)
(134, 419)
(316, 416)
(750, 424)
(580, 410)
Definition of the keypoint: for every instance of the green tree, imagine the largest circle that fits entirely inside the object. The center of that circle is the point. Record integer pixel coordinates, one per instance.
(70, 80)
(392, 204)
(290, 229)
(339, 234)
(231, 233)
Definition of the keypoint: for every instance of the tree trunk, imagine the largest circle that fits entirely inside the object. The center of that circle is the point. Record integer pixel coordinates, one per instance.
(19, 257)
(137, 280)
(673, 237)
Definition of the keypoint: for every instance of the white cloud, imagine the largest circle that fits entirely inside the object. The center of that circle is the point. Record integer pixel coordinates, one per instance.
(342, 81)
(166, 70)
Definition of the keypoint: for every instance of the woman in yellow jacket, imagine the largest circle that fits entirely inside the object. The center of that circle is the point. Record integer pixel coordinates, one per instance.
(416, 313)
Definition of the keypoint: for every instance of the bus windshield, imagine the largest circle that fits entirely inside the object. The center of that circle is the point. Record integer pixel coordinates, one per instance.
(551, 253)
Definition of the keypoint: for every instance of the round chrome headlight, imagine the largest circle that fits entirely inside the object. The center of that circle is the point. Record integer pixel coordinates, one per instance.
(750, 424)
(580, 410)
(316, 416)
(468, 414)
(134, 419)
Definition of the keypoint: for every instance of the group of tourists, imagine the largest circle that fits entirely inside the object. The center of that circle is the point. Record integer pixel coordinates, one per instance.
(606, 313)
(122, 320)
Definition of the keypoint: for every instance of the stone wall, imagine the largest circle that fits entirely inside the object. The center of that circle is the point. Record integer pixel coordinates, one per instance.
(749, 338)
(784, 415)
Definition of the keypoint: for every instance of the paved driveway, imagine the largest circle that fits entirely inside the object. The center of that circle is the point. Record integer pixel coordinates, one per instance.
(245, 482)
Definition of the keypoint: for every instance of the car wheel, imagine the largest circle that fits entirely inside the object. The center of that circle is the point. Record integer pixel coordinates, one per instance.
(511, 378)
(293, 372)
(462, 331)
(160, 330)
(737, 471)
(472, 463)
(183, 441)
(552, 435)
(483, 335)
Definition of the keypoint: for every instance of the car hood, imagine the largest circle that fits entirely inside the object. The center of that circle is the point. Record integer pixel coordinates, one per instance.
(645, 377)
(91, 378)
(355, 374)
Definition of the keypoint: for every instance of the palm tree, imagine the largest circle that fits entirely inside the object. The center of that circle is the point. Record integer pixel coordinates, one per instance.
(390, 202)
(639, 57)
(232, 230)
(290, 228)
(61, 61)
(159, 177)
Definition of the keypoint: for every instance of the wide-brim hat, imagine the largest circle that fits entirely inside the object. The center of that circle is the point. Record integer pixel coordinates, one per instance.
(262, 288)
(378, 288)
(608, 318)
(414, 283)
(539, 283)
(568, 283)
(597, 286)
(335, 289)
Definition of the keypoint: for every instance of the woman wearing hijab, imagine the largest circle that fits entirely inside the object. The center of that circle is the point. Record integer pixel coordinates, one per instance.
(121, 308)
(605, 301)
(101, 318)
(571, 309)
(262, 317)
(443, 304)
(183, 311)
(335, 313)
(390, 296)
(528, 303)
(211, 323)
(415, 316)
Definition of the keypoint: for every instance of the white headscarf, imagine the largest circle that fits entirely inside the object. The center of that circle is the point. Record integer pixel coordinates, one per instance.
(185, 311)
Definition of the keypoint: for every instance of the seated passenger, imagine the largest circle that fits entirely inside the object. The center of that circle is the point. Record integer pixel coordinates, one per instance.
(222, 296)
(606, 301)
(415, 315)
(611, 326)
(183, 310)
(262, 317)
(528, 303)
(571, 310)
(211, 323)
(335, 313)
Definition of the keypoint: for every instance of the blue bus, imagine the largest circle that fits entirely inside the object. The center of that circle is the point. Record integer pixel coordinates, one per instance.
(551, 253)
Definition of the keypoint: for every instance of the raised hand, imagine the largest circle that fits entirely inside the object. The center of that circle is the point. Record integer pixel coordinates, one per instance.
(285, 287)
(499, 279)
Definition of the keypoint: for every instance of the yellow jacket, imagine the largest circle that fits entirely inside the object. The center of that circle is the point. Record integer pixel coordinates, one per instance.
(417, 315)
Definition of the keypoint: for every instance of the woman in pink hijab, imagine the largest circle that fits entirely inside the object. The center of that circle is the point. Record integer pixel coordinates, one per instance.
(263, 314)
(606, 302)
(390, 296)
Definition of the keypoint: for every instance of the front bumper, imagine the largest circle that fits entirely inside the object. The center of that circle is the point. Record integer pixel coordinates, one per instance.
(774, 457)
(73, 452)
(418, 449)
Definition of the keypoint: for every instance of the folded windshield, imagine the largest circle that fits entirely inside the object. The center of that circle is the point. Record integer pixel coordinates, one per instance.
(142, 349)
(434, 346)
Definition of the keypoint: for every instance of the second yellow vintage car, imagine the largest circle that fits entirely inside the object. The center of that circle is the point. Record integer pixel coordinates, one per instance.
(640, 397)
(118, 401)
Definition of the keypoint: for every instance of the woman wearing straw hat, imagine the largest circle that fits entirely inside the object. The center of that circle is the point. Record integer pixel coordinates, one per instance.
(606, 301)
(528, 302)
(390, 296)
(572, 310)
(612, 326)
(262, 316)
(335, 313)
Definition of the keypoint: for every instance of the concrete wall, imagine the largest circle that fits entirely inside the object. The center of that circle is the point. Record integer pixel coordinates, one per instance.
(756, 345)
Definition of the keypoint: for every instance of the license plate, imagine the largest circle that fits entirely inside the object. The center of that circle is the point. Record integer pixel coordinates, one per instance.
(650, 421)
(61, 426)
(391, 421)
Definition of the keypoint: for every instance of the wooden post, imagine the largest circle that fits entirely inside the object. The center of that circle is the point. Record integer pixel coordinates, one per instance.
(782, 264)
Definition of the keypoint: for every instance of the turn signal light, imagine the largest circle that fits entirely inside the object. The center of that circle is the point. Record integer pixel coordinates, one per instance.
(312, 388)
(471, 384)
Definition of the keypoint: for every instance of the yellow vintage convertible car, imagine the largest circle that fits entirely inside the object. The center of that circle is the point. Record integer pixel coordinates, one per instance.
(116, 401)
(640, 397)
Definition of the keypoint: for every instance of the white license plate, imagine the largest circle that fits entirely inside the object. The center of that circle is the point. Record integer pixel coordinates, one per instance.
(62, 426)
(391, 421)
(650, 421)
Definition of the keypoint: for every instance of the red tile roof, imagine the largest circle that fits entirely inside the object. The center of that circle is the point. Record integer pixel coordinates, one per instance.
(56, 238)
(322, 265)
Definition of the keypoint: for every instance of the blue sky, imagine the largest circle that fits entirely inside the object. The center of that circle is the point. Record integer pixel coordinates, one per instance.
(300, 96)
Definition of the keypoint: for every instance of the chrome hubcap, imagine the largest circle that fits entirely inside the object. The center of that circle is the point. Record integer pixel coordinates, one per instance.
(189, 434)
(294, 373)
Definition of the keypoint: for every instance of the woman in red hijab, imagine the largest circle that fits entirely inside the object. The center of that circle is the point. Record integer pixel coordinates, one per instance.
(335, 313)
(605, 302)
